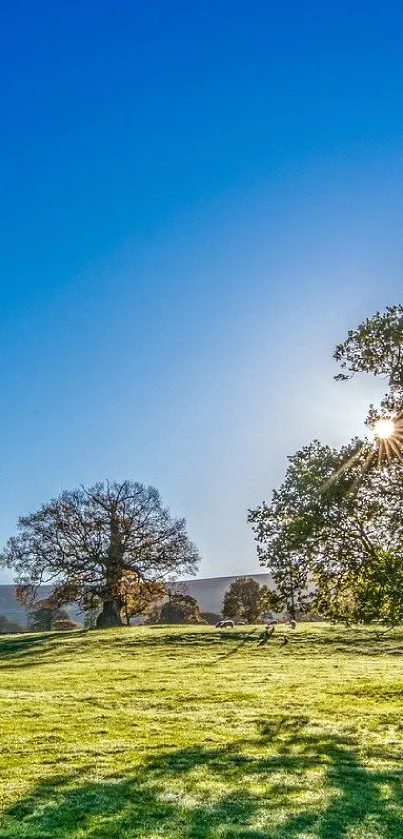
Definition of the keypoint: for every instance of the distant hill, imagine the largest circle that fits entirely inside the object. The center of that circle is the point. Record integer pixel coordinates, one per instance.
(12, 609)
(209, 594)
(9, 606)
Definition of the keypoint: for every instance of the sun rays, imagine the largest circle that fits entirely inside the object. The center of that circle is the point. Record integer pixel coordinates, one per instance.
(388, 434)
(384, 428)
(387, 445)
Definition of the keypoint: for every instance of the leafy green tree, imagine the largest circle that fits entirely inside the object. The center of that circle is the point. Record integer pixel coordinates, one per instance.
(281, 526)
(245, 599)
(336, 521)
(376, 347)
(88, 541)
(211, 618)
(180, 608)
(340, 525)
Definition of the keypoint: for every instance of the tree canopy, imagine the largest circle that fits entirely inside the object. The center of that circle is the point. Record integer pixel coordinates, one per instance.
(245, 599)
(44, 615)
(376, 347)
(180, 608)
(338, 528)
(98, 545)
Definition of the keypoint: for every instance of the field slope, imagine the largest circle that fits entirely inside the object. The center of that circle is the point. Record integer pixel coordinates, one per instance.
(188, 733)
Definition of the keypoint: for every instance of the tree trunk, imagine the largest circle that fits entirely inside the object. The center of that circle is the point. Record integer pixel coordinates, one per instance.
(110, 615)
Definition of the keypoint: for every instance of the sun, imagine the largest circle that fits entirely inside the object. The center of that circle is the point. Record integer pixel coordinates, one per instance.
(384, 429)
(386, 445)
(388, 433)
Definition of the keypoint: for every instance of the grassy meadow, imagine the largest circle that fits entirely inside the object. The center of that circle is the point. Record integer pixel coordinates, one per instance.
(199, 733)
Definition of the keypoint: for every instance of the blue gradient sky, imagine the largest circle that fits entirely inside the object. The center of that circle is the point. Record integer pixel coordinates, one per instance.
(197, 201)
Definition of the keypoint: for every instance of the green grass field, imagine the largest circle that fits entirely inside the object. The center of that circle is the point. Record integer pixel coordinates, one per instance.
(201, 734)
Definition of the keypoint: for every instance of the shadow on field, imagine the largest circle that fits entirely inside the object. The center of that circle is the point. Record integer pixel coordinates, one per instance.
(33, 649)
(17, 651)
(178, 794)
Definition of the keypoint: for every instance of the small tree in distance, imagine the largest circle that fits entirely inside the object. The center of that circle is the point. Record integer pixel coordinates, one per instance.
(180, 608)
(245, 599)
(43, 616)
(210, 618)
(90, 617)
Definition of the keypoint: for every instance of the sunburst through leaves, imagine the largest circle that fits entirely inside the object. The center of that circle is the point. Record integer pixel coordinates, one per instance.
(387, 445)
(388, 434)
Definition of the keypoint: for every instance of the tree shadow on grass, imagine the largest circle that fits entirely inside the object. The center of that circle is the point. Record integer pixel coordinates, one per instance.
(31, 649)
(179, 794)
(241, 639)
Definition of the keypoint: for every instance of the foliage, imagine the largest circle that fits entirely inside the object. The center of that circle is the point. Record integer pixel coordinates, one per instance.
(376, 346)
(336, 521)
(177, 732)
(245, 599)
(43, 616)
(180, 608)
(333, 524)
(211, 618)
(283, 525)
(8, 626)
(90, 542)
(140, 596)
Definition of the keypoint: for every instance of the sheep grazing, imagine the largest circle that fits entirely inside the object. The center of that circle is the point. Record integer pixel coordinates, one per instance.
(293, 624)
(224, 624)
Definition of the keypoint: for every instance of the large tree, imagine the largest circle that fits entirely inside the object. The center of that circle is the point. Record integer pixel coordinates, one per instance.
(337, 519)
(89, 542)
(337, 525)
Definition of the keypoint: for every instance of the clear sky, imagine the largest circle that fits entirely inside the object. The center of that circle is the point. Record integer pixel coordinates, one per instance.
(198, 199)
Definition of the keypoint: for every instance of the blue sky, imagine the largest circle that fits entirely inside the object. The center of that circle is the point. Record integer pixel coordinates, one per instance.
(197, 201)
